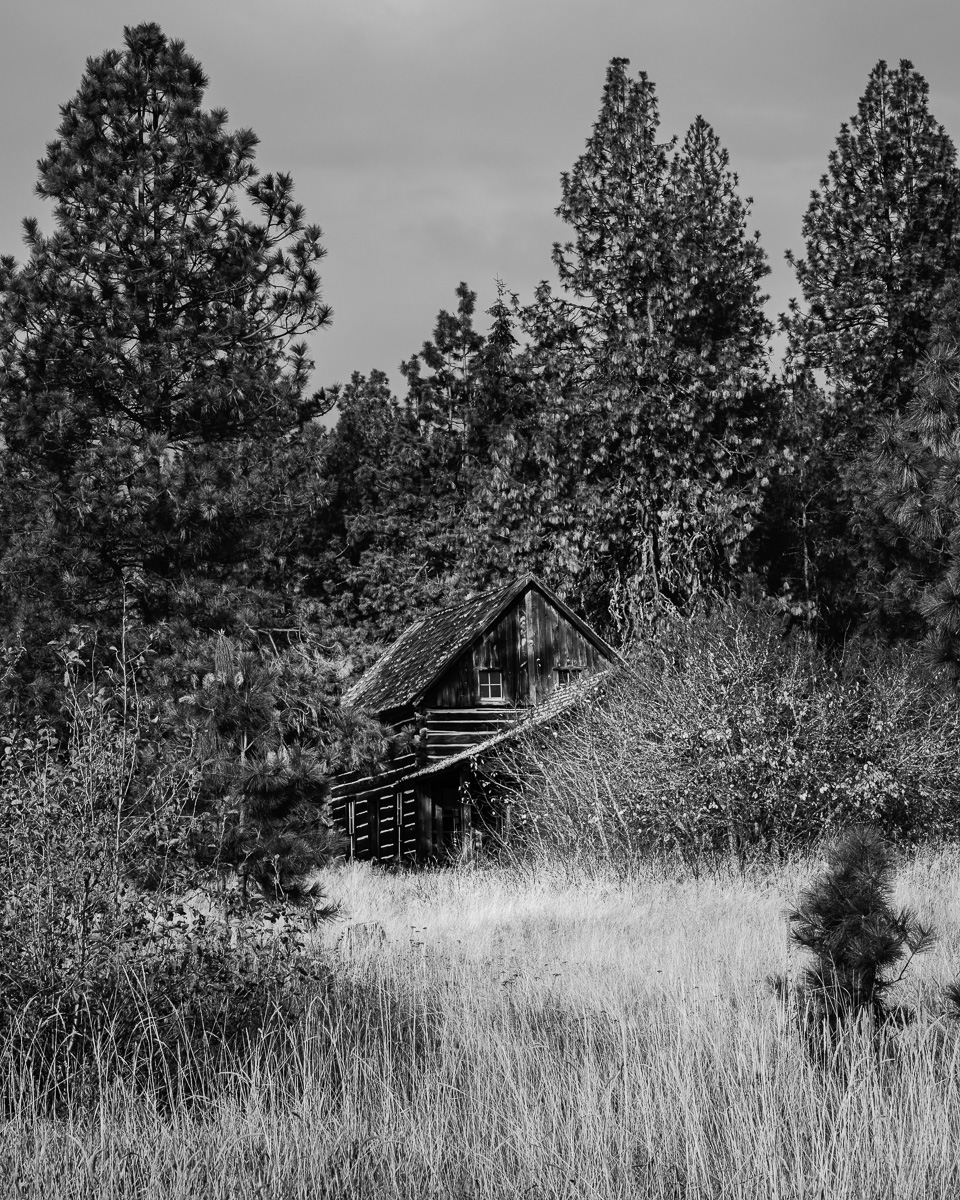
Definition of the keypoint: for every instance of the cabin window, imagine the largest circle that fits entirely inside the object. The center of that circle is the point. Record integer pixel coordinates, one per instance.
(491, 686)
(568, 676)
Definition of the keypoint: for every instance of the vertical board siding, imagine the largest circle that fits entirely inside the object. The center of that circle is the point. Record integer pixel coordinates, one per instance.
(559, 644)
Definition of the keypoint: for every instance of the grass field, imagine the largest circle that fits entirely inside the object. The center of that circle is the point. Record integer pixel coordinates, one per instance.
(548, 1033)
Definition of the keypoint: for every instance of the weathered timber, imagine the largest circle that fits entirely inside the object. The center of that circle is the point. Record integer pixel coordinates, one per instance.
(461, 680)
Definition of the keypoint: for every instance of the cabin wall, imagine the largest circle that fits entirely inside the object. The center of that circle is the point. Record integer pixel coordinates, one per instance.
(554, 643)
(502, 648)
(378, 812)
(450, 731)
(392, 815)
(557, 643)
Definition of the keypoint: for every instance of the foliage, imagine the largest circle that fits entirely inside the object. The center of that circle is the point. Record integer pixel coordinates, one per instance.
(861, 944)
(407, 518)
(654, 405)
(881, 237)
(267, 730)
(917, 488)
(113, 963)
(384, 543)
(149, 365)
(726, 735)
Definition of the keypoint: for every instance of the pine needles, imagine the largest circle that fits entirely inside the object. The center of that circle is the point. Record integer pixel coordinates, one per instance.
(862, 945)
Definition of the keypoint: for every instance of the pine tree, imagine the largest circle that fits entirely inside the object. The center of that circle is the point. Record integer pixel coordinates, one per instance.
(882, 234)
(861, 944)
(268, 729)
(655, 402)
(917, 488)
(881, 237)
(405, 520)
(375, 554)
(150, 362)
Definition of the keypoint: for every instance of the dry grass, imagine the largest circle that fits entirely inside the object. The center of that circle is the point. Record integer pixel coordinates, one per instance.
(548, 1034)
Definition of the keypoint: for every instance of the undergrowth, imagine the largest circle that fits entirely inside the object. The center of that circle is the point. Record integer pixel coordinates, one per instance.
(729, 736)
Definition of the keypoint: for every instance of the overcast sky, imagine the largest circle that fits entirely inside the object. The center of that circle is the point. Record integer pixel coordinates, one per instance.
(427, 137)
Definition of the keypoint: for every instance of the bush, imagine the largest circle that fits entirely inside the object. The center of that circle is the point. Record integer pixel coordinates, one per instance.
(103, 979)
(728, 733)
(861, 944)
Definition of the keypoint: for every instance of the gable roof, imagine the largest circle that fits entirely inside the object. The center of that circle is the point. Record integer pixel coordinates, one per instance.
(422, 652)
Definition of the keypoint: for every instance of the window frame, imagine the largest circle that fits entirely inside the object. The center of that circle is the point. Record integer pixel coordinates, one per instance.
(488, 683)
(573, 673)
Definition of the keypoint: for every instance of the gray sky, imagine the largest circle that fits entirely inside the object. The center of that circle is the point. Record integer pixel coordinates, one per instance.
(427, 137)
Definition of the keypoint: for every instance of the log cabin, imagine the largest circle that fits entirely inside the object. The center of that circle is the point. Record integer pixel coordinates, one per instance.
(464, 680)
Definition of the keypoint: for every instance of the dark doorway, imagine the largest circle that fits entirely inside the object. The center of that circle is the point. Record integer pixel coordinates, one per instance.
(444, 817)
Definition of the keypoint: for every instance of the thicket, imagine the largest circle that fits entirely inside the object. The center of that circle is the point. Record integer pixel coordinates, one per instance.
(730, 733)
(130, 964)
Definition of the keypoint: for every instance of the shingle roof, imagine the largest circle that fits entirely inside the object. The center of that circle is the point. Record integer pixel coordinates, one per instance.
(421, 652)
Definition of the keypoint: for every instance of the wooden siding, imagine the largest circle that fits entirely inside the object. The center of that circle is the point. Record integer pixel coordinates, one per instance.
(449, 731)
(558, 644)
(393, 814)
(378, 812)
(501, 648)
(554, 643)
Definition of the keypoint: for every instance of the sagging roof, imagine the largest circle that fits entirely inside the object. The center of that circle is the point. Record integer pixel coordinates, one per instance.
(422, 652)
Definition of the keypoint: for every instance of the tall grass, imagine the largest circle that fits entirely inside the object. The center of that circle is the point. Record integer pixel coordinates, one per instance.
(570, 1034)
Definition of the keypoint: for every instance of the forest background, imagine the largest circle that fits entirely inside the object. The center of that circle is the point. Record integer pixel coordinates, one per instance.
(179, 513)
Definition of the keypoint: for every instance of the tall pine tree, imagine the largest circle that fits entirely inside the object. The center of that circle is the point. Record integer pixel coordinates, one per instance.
(881, 234)
(149, 360)
(655, 404)
(917, 473)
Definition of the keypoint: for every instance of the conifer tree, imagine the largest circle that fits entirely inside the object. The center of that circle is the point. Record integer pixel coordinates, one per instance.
(149, 360)
(881, 237)
(655, 406)
(409, 481)
(268, 729)
(861, 944)
(917, 488)
(882, 234)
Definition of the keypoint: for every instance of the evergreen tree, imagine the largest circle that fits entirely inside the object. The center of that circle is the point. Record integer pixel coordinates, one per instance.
(149, 363)
(373, 556)
(881, 237)
(861, 945)
(655, 406)
(917, 473)
(405, 520)
(269, 731)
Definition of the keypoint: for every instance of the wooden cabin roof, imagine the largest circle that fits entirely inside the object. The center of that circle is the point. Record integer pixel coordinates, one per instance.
(422, 652)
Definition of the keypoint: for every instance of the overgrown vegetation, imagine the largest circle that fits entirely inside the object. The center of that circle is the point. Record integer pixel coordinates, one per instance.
(191, 568)
(727, 734)
(568, 1033)
(120, 961)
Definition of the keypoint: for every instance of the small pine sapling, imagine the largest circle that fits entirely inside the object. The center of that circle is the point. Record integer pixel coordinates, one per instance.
(861, 944)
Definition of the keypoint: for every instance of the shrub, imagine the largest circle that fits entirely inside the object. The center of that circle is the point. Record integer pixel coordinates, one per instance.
(101, 978)
(861, 944)
(728, 733)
